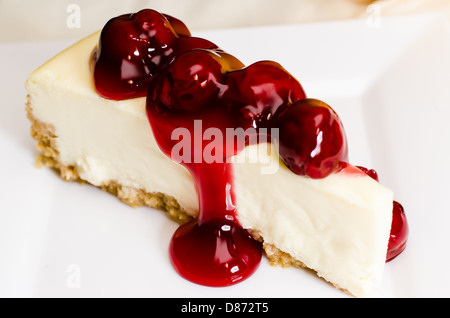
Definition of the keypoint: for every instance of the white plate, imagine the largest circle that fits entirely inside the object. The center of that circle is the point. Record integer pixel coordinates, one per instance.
(388, 83)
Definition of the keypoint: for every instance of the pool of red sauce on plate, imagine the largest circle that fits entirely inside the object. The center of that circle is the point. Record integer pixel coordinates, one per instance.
(188, 81)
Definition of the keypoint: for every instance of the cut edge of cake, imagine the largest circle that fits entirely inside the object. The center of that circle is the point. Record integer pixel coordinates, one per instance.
(48, 156)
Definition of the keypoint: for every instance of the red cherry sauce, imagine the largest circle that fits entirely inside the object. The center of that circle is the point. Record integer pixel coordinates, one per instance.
(198, 92)
(321, 148)
(214, 250)
(134, 47)
(399, 232)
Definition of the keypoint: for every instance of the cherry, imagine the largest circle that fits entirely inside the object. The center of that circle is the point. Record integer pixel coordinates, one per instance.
(184, 44)
(399, 232)
(131, 48)
(260, 90)
(191, 82)
(135, 47)
(312, 139)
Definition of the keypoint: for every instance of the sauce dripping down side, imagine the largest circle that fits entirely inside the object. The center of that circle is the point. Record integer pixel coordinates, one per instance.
(197, 92)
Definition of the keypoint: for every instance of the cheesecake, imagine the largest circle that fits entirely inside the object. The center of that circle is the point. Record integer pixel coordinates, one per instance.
(237, 155)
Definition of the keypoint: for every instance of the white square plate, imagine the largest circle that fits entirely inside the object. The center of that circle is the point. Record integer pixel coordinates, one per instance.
(388, 83)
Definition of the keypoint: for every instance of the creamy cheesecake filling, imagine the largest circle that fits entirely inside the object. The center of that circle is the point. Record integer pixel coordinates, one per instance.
(338, 226)
(90, 134)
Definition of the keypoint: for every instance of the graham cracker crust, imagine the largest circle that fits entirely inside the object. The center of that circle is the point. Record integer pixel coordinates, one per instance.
(48, 156)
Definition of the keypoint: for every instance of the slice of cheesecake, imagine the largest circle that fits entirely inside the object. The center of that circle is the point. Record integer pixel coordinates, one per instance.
(338, 225)
(111, 110)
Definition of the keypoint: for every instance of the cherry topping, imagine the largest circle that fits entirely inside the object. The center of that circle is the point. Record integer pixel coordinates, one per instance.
(261, 90)
(312, 139)
(212, 250)
(399, 232)
(134, 47)
(192, 82)
(216, 253)
(370, 172)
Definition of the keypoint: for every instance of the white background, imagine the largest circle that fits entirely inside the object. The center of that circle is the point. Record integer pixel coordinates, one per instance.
(31, 20)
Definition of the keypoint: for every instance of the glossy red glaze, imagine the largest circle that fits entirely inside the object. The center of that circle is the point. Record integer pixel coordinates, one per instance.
(399, 232)
(134, 47)
(200, 91)
(216, 253)
(370, 172)
(351, 170)
(319, 147)
(261, 91)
